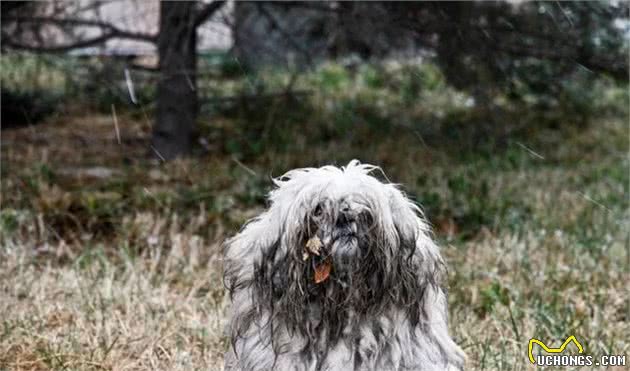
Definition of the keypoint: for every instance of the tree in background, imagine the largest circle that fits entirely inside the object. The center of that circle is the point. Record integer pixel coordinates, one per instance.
(39, 27)
(177, 88)
(539, 45)
(483, 47)
(513, 49)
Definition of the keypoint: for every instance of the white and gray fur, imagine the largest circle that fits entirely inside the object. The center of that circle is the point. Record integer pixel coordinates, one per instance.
(383, 306)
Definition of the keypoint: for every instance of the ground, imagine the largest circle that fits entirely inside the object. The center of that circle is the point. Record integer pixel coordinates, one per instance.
(112, 260)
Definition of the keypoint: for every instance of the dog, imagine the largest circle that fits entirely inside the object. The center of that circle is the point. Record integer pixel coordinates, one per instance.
(339, 273)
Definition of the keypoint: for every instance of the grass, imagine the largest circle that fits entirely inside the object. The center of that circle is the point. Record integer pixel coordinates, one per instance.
(111, 260)
(103, 313)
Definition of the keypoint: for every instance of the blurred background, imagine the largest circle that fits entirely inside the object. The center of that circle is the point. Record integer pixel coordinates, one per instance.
(138, 135)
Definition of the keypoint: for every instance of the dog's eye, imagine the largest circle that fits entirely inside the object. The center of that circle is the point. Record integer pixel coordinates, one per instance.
(366, 219)
(318, 211)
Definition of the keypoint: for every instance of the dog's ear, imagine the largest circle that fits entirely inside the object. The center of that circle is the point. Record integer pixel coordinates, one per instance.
(244, 251)
(244, 254)
(415, 237)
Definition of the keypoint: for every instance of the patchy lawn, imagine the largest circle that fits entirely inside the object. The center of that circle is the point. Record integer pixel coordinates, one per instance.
(110, 260)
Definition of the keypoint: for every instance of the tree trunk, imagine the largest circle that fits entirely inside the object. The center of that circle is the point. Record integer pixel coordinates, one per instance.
(176, 109)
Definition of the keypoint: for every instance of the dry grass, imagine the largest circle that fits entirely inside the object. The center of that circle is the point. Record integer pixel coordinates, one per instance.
(123, 270)
(155, 312)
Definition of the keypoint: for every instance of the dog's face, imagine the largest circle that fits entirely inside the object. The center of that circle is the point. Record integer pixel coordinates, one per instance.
(339, 231)
(339, 223)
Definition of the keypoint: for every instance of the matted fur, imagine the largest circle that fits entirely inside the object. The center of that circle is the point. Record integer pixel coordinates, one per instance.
(383, 306)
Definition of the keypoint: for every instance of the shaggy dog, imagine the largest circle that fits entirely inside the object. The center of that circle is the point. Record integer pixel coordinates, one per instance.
(340, 273)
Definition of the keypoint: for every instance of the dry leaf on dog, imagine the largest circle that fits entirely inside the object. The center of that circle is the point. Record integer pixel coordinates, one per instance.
(313, 245)
(322, 271)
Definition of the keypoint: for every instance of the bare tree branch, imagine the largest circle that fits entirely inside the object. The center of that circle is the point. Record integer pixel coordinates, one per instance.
(113, 31)
(208, 11)
(60, 48)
